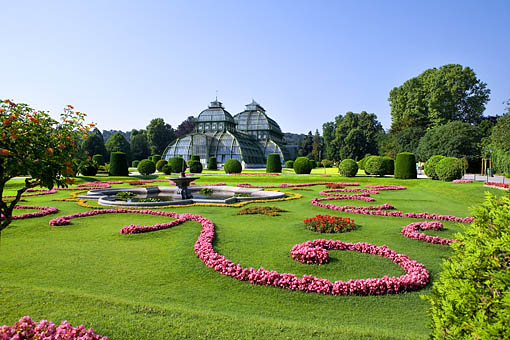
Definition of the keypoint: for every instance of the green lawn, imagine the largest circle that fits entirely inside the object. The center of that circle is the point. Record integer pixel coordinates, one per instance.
(153, 286)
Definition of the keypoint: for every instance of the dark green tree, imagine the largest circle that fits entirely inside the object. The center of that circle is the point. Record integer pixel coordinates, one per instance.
(328, 135)
(500, 135)
(159, 135)
(94, 145)
(139, 146)
(185, 127)
(306, 146)
(317, 147)
(118, 143)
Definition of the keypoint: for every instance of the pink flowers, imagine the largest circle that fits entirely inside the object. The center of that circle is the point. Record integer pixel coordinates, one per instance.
(307, 254)
(497, 185)
(385, 187)
(43, 211)
(411, 231)
(26, 328)
(462, 181)
(284, 185)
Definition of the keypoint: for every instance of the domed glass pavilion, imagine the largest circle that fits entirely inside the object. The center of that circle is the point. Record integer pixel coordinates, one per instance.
(249, 137)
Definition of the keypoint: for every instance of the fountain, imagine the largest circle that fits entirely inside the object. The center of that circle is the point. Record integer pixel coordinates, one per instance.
(182, 182)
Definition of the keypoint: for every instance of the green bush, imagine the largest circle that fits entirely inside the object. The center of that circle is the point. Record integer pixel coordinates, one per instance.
(155, 158)
(302, 165)
(405, 166)
(375, 166)
(99, 159)
(88, 168)
(448, 169)
(232, 166)
(177, 164)
(135, 163)
(167, 169)
(389, 165)
(160, 164)
(327, 163)
(118, 164)
(470, 298)
(146, 167)
(195, 158)
(274, 163)
(313, 164)
(430, 166)
(289, 164)
(212, 164)
(195, 166)
(361, 163)
(348, 168)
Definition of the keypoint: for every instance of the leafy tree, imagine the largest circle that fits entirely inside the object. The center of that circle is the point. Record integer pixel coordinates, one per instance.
(500, 136)
(328, 135)
(455, 139)
(118, 143)
(34, 144)
(94, 144)
(159, 135)
(186, 127)
(406, 140)
(139, 146)
(317, 146)
(306, 146)
(438, 96)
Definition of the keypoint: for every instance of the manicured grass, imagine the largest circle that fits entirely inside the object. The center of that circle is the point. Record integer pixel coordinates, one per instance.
(152, 285)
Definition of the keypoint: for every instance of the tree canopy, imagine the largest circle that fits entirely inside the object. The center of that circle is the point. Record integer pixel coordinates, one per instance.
(159, 135)
(118, 143)
(94, 144)
(186, 127)
(139, 146)
(500, 136)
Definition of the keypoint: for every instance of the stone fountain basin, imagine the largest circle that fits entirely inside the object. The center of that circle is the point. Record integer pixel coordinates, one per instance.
(107, 196)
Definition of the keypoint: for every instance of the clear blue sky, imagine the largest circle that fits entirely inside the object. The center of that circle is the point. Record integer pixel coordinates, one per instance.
(126, 62)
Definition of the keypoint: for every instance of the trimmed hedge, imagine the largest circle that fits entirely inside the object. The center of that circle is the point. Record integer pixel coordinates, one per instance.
(313, 164)
(167, 169)
(212, 164)
(405, 166)
(88, 168)
(430, 166)
(99, 159)
(274, 163)
(233, 166)
(195, 166)
(135, 163)
(348, 168)
(160, 164)
(155, 158)
(146, 167)
(302, 165)
(118, 164)
(448, 169)
(361, 163)
(375, 166)
(195, 158)
(177, 164)
(289, 164)
(389, 165)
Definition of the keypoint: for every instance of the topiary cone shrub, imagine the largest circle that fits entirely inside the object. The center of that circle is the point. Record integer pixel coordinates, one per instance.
(448, 169)
(348, 168)
(155, 158)
(195, 167)
(195, 158)
(302, 165)
(146, 167)
(405, 166)
(389, 165)
(212, 164)
(470, 298)
(274, 163)
(375, 166)
(160, 164)
(232, 166)
(99, 159)
(177, 164)
(118, 164)
(430, 166)
(289, 164)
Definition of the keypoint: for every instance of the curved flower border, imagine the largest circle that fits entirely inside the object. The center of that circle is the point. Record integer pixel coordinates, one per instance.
(43, 211)
(285, 185)
(412, 231)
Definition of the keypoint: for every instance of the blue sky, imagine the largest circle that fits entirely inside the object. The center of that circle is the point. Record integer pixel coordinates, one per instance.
(126, 62)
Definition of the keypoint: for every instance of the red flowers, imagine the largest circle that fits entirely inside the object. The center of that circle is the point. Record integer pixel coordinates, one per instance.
(329, 224)
(497, 185)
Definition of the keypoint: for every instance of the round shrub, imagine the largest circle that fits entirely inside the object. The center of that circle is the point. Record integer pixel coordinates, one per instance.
(118, 164)
(348, 168)
(405, 166)
(448, 169)
(302, 165)
(212, 164)
(99, 159)
(232, 166)
(361, 163)
(88, 168)
(146, 167)
(160, 164)
(177, 164)
(195, 158)
(289, 164)
(375, 166)
(135, 163)
(430, 166)
(155, 158)
(167, 169)
(389, 165)
(274, 164)
(195, 166)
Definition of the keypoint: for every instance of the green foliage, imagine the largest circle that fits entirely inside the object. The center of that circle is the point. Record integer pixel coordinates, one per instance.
(135, 163)
(94, 144)
(159, 135)
(375, 166)
(146, 167)
(212, 164)
(500, 160)
(118, 143)
(348, 168)
(160, 164)
(430, 166)
(195, 158)
(167, 169)
(470, 300)
(363, 161)
(206, 191)
(405, 166)
(389, 165)
(195, 166)
(99, 159)
(155, 158)
(455, 139)
(118, 164)
(302, 165)
(313, 164)
(405, 140)
(232, 166)
(274, 163)
(139, 146)
(448, 169)
(176, 164)
(328, 135)
(500, 133)
(88, 168)
(327, 163)
(289, 164)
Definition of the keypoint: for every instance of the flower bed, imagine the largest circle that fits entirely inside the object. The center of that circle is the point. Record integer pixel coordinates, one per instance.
(497, 185)
(254, 174)
(27, 329)
(462, 181)
(329, 224)
(43, 211)
(285, 185)
(261, 210)
(412, 231)
(309, 255)
(331, 192)
(385, 187)
(361, 197)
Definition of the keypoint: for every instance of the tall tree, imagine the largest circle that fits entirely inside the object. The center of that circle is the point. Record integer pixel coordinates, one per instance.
(117, 142)
(305, 149)
(139, 146)
(317, 146)
(186, 127)
(159, 135)
(500, 136)
(328, 134)
(94, 144)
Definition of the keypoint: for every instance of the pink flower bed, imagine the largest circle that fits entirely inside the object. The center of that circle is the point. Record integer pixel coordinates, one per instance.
(385, 187)
(412, 231)
(364, 196)
(462, 181)
(254, 174)
(43, 211)
(26, 329)
(284, 185)
(497, 185)
(331, 192)
(309, 254)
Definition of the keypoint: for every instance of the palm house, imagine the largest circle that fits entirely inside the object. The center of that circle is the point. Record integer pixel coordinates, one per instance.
(249, 137)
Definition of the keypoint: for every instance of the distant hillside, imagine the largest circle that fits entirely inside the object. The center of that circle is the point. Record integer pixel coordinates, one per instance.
(294, 138)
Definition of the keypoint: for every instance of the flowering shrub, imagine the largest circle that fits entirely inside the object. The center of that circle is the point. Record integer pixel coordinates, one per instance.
(412, 231)
(26, 329)
(497, 185)
(329, 224)
(462, 181)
